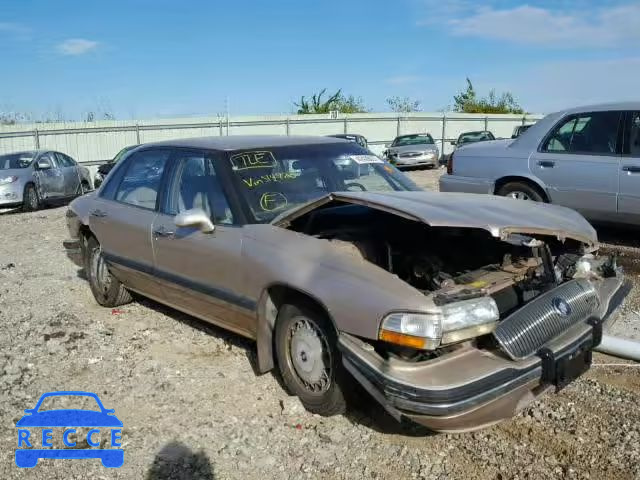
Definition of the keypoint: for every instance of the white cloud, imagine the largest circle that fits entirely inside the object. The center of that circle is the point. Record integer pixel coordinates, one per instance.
(403, 79)
(565, 25)
(76, 46)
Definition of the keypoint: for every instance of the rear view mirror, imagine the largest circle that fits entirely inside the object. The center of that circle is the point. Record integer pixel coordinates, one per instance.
(43, 164)
(195, 217)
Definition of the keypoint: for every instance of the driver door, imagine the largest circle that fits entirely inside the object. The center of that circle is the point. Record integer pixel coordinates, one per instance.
(579, 163)
(51, 180)
(201, 273)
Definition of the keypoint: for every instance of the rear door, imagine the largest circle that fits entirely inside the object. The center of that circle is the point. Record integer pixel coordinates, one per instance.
(201, 273)
(50, 181)
(579, 161)
(629, 199)
(70, 173)
(122, 217)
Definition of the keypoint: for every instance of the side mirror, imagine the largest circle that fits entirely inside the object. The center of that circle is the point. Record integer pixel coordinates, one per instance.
(453, 142)
(514, 136)
(195, 217)
(43, 164)
(29, 410)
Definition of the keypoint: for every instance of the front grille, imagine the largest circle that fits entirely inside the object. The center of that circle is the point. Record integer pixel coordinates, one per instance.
(523, 332)
(411, 154)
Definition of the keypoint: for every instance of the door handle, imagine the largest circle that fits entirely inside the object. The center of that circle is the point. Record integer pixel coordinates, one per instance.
(163, 232)
(98, 213)
(546, 163)
(631, 169)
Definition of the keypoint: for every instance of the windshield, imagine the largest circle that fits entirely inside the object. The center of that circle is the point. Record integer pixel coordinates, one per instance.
(421, 139)
(16, 160)
(273, 180)
(121, 153)
(474, 137)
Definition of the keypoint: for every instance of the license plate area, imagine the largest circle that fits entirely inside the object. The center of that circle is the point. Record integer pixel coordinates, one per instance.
(562, 370)
(570, 367)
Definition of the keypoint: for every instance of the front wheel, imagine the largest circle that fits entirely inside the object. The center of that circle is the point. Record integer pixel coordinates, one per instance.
(31, 200)
(308, 358)
(520, 191)
(106, 289)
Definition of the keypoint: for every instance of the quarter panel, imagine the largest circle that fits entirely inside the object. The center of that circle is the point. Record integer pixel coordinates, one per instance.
(356, 293)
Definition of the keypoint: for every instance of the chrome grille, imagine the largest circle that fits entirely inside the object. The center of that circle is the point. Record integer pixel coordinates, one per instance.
(411, 154)
(523, 332)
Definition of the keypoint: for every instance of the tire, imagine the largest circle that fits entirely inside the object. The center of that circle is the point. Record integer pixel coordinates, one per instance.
(30, 199)
(300, 330)
(106, 289)
(520, 191)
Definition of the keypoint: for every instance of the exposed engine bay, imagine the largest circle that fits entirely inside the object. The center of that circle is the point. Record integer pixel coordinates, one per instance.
(449, 263)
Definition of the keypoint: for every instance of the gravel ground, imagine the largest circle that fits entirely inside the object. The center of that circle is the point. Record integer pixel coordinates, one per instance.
(192, 406)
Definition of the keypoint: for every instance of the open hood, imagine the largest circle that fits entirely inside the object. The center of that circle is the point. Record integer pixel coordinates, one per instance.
(498, 215)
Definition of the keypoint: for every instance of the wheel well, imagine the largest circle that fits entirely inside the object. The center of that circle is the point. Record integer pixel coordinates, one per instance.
(281, 294)
(272, 299)
(501, 182)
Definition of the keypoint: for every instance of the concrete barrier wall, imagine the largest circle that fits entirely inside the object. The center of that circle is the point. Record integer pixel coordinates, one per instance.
(96, 142)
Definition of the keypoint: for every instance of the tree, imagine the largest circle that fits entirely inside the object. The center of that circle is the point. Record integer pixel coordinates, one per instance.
(468, 102)
(338, 101)
(403, 104)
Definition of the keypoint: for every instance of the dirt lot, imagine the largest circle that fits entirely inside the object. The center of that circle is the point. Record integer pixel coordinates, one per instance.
(192, 406)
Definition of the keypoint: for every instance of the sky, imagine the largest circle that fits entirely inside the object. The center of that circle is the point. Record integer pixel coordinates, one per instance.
(161, 58)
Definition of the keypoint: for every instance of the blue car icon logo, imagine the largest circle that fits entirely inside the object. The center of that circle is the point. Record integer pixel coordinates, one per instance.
(103, 424)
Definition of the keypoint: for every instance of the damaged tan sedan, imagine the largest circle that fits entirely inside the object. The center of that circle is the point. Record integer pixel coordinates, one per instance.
(453, 310)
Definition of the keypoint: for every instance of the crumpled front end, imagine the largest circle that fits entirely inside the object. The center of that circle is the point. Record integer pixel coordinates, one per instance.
(542, 346)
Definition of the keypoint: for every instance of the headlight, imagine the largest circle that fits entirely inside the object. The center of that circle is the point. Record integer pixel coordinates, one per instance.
(430, 154)
(10, 179)
(451, 323)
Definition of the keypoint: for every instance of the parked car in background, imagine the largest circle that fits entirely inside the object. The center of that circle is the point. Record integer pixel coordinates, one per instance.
(585, 158)
(31, 179)
(105, 168)
(415, 150)
(467, 138)
(438, 305)
(519, 130)
(352, 137)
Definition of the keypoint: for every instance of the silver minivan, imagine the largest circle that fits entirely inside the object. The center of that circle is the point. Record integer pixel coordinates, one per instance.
(585, 158)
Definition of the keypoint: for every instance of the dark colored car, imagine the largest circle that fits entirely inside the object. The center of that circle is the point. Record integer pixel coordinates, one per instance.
(467, 138)
(105, 168)
(352, 137)
(519, 130)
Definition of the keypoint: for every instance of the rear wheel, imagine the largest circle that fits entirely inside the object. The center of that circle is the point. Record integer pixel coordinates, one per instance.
(106, 289)
(30, 200)
(309, 359)
(520, 191)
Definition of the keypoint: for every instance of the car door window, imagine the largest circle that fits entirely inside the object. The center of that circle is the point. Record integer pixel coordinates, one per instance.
(591, 133)
(141, 182)
(50, 157)
(198, 186)
(634, 135)
(63, 160)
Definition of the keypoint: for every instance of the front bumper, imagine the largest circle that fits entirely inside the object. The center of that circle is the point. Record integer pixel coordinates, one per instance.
(11, 194)
(420, 160)
(456, 183)
(470, 388)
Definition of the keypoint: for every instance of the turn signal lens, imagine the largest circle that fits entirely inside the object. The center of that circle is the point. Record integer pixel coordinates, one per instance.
(403, 339)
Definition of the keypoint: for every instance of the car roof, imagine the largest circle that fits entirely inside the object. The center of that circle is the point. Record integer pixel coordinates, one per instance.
(236, 142)
(475, 132)
(630, 105)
